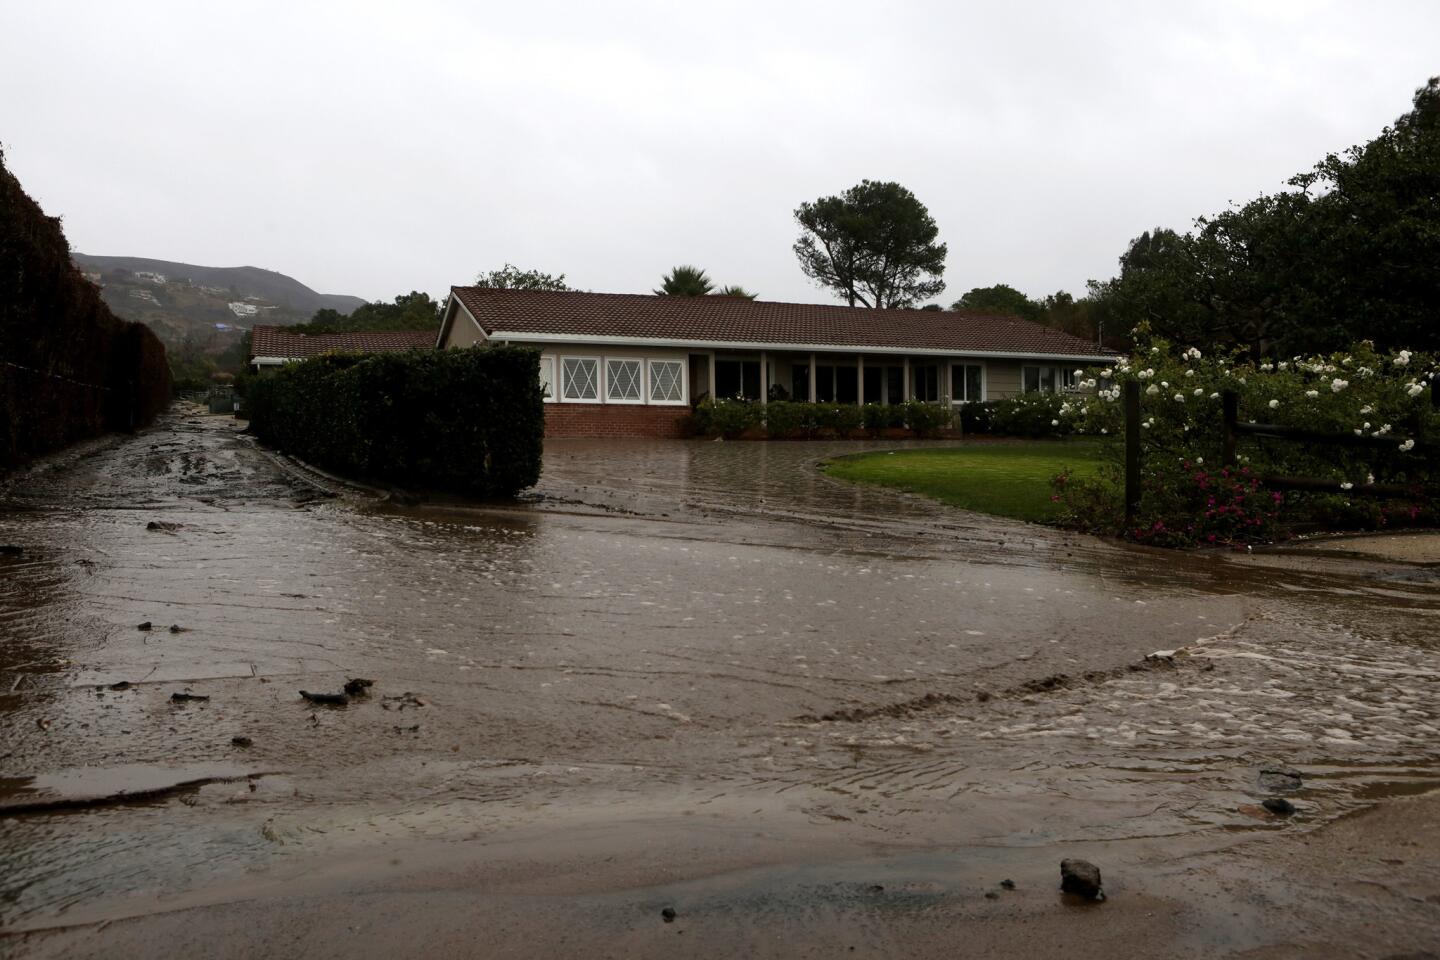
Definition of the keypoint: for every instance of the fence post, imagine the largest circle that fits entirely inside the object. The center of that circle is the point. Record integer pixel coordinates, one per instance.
(1230, 404)
(1132, 449)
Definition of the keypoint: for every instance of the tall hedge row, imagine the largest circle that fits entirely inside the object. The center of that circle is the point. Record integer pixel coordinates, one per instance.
(69, 368)
(463, 421)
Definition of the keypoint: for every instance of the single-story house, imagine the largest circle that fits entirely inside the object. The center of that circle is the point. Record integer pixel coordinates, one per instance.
(271, 346)
(632, 365)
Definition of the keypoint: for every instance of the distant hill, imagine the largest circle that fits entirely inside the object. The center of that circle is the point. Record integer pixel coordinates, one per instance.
(201, 313)
(274, 288)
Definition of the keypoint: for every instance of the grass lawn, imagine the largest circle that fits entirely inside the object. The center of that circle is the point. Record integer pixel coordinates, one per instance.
(1006, 479)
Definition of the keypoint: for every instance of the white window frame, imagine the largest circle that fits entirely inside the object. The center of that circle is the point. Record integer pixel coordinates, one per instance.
(599, 377)
(684, 366)
(624, 401)
(984, 380)
(549, 363)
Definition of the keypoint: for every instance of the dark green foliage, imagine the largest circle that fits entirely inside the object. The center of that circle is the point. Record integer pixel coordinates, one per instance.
(874, 245)
(511, 277)
(685, 281)
(978, 417)
(1000, 298)
(69, 368)
(796, 420)
(410, 311)
(879, 417)
(1351, 252)
(927, 419)
(1031, 415)
(735, 290)
(461, 421)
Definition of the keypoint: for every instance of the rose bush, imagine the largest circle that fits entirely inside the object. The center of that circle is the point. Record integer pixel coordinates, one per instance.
(1188, 495)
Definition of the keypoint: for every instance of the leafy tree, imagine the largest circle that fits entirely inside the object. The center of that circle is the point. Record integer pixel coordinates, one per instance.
(410, 311)
(1000, 298)
(511, 277)
(873, 245)
(1350, 252)
(735, 290)
(685, 281)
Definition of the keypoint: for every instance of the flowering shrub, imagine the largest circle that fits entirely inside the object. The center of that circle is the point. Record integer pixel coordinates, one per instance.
(1188, 499)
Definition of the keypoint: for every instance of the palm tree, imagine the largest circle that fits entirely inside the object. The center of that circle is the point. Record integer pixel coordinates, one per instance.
(685, 281)
(735, 290)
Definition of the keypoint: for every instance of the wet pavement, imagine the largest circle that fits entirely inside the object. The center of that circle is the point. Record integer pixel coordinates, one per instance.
(676, 660)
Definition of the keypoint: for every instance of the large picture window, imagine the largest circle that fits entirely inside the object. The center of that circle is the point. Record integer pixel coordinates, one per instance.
(624, 381)
(667, 381)
(967, 382)
(547, 379)
(925, 381)
(1037, 379)
(580, 379)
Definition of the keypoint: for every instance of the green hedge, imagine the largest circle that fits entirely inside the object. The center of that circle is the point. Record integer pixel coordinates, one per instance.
(791, 419)
(461, 421)
(69, 368)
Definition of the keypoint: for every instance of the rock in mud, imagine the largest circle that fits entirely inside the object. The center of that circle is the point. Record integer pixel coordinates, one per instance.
(1081, 877)
(326, 699)
(358, 686)
(668, 914)
(1281, 779)
(187, 697)
(1278, 806)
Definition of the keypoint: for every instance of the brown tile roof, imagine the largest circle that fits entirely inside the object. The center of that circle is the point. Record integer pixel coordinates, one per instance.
(268, 341)
(738, 320)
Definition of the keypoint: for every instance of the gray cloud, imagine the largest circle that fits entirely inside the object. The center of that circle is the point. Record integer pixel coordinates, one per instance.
(375, 148)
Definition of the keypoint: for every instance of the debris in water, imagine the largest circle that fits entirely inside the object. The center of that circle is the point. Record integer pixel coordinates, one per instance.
(991, 895)
(1081, 877)
(241, 741)
(43, 723)
(161, 525)
(326, 699)
(358, 686)
(1281, 779)
(147, 625)
(1008, 884)
(406, 699)
(413, 728)
(1278, 806)
(186, 697)
(122, 685)
(10, 550)
(668, 914)
(176, 628)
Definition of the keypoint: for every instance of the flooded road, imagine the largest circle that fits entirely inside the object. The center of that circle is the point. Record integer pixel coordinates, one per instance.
(681, 672)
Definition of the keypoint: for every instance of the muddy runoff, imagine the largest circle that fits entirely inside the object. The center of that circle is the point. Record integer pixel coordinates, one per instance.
(699, 677)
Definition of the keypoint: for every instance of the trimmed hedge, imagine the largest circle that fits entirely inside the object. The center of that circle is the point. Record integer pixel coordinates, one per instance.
(792, 419)
(470, 422)
(69, 368)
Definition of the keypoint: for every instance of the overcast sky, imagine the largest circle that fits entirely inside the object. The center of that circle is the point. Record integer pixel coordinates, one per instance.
(371, 149)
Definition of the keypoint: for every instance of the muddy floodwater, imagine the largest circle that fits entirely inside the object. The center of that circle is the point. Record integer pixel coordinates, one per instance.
(812, 719)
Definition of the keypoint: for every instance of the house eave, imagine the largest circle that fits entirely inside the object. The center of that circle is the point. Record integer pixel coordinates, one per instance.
(520, 336)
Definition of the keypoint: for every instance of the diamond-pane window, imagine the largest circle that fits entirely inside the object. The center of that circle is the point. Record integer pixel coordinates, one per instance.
(581, 378)
(547, 378)
(667, 381)
(622, 381)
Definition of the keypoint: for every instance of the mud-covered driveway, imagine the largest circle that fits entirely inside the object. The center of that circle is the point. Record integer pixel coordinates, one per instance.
(683, 672)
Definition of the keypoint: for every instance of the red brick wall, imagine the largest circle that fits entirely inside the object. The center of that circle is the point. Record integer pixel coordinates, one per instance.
(603, 420)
